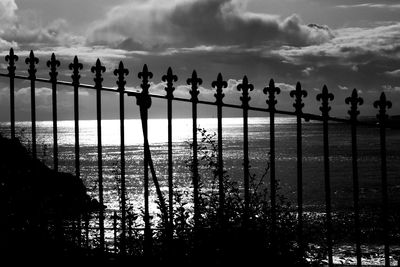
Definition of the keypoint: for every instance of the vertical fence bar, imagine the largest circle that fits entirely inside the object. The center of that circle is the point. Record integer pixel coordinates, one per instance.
(73, 234)
(59, 229)
(121, 72)
(170, 78)
(79, 230)
(87, 231)
(354, 101)
(194, 81)
(75, 66)
(98, 69)
(32, 61)
(130, 222)
(11, 58)
(219, 84)
(271, 90)
(382, 104)
(245, 87)
(53, 63)
(144, 102)
(325, 96)
(298, 105)
(115, 225)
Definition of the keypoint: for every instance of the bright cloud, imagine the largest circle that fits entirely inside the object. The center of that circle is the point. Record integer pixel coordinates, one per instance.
(43, 98)
(7, 11)
(390, 88)
(394, 73)
(7, 19)
(286, 87)
(25, 31)
(349, 42)
(371, 5)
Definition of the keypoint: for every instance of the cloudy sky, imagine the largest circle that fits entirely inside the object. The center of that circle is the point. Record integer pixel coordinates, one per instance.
(341, 43)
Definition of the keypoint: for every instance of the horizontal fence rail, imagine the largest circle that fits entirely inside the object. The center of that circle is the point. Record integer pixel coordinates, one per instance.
(123, 224)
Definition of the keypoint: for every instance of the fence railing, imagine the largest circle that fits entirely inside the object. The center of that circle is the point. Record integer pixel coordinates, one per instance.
(144, 102)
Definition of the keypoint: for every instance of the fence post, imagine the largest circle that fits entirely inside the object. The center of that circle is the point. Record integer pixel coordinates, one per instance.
(53, 63)
(325, 96)
(129, 243)
(144, 102)
(98, 69)
(79, 222)
(245, 87)
(11, 58)
(86, 226)
(32, 61)
(194, 81)
(354, 101)
(115, 224)
(298, 105)
(382, 104)
(75, 66)
(170, 78)
(59, 229)
(271, 90)
(121, 72)
(219, 84)
(72, 231)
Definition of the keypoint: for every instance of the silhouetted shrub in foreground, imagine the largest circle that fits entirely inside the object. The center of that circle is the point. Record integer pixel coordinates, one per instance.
(229, 241)
(36, 203)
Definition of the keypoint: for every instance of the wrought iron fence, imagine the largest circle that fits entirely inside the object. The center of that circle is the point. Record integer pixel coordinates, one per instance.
(144, 102)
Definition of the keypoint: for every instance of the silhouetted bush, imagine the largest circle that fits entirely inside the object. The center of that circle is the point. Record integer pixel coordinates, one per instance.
(229, 242)
(37, 205)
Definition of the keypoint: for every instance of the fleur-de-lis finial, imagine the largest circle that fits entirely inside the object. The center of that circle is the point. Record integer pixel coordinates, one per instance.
(98, 69)
(245, 87)
(143, 100)
(11, 58)
(32, 61)
(170, 78)
(75, 66)
(195, 82)
(271, 90)
(121, 72)
(382, 104)
(325, 96)
(53, 64)
(145, 75)
(298, 94)
(219, 84)
(354, 100)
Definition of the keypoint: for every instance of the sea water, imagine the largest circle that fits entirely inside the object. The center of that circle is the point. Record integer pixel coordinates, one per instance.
(286, 155)
(340, 159)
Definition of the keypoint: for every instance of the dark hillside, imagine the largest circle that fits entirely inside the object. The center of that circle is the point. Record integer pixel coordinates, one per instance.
(36, 203)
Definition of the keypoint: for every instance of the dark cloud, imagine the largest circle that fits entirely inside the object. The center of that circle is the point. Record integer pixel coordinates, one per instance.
(193, 23)
(215, 36)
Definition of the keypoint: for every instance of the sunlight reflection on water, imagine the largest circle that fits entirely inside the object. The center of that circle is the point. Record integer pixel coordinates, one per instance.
(181, 130)
(233, 153)
(340, 159)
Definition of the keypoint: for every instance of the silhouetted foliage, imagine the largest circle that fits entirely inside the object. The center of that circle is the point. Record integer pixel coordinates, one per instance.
(37, 204)
(232, 243)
